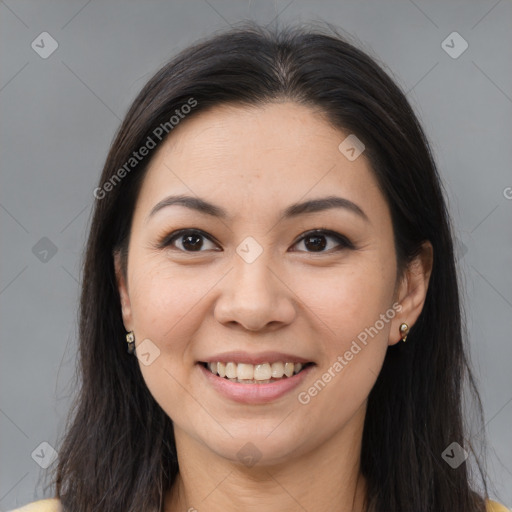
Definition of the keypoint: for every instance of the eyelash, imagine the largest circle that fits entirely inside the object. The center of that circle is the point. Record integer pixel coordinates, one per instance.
(343, 241)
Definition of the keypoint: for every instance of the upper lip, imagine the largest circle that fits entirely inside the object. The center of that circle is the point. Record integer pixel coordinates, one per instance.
(259, 358)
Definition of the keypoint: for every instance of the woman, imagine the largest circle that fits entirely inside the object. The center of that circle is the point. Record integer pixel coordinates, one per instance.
(270, 315)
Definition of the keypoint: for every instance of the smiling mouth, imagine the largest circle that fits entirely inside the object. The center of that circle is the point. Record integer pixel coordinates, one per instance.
(264, 373)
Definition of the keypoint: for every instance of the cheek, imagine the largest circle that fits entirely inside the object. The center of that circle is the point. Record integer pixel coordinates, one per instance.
(347, 301)
(353, 313)
(163, 299)
(165, 305)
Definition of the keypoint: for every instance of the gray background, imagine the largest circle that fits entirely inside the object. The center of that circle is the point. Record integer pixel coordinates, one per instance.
(59, 115)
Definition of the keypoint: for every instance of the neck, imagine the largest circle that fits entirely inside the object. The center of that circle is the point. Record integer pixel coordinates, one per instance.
(326, 479)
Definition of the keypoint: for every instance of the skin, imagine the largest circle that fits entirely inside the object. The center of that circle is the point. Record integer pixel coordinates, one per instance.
(254, 162)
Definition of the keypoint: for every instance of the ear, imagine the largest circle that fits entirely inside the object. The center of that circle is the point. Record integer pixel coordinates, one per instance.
(412, 291)
(122, 287)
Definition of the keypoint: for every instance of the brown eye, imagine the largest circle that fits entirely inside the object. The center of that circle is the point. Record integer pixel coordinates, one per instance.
(315, 241)
(191, 240)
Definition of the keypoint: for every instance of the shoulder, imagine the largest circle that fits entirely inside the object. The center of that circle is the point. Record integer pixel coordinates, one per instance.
(50, 505)
(494, 506)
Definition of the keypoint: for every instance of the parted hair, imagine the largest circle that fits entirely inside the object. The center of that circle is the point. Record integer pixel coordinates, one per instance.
(118, 451)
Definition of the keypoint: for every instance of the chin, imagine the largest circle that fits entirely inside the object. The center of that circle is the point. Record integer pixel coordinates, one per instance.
(257, 447)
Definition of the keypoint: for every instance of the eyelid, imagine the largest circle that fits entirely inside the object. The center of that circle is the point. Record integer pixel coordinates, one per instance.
(167, 240)
(342, 240)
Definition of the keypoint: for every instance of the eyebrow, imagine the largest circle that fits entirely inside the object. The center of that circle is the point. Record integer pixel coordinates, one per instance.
(294, 210)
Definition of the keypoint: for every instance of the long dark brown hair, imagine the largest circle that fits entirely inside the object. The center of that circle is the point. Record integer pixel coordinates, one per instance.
(118, 452)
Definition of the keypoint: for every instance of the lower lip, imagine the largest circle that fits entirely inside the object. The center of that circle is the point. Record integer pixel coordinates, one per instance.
(254, 393)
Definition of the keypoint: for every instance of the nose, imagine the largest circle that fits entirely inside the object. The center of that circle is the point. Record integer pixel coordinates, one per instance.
(255, 297)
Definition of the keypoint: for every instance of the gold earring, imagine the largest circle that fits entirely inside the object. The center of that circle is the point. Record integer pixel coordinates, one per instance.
(404, 330)
(130, 338)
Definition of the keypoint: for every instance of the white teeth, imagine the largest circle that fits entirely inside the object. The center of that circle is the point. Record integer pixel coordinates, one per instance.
(245, 371)
(288, 369)
(231, 371)
(259, 373)
(277, 370)
(262, 372)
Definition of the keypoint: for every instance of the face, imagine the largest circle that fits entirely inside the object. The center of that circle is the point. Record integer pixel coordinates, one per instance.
(257, 281)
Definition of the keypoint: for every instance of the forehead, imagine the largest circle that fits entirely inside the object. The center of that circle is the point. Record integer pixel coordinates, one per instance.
(257, 158)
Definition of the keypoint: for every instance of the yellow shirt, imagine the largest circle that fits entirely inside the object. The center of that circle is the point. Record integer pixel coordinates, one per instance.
(494, 506)
(53, 505)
